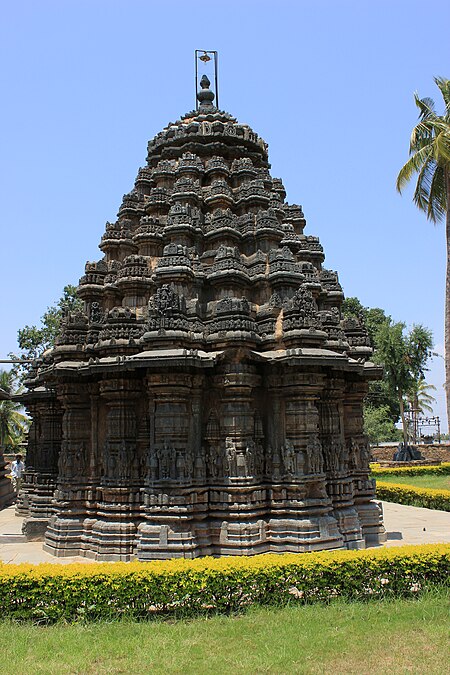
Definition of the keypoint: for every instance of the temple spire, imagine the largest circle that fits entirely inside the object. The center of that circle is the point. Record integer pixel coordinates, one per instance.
(205, 96)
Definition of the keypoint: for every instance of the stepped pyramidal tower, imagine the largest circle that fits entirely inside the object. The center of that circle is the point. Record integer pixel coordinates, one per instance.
(208, 400)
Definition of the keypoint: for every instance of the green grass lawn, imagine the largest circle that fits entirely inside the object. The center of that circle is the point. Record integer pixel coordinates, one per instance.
(435, 482)
(395, 636)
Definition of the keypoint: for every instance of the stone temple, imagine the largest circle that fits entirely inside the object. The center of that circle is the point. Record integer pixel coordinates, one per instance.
(208, 400)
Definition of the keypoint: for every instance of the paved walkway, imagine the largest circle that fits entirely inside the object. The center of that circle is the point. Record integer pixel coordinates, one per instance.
(404, 525)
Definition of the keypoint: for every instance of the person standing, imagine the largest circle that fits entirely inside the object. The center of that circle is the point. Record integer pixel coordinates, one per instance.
(17, 469)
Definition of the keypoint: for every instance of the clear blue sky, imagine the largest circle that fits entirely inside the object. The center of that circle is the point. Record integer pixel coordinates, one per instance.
(327, 83)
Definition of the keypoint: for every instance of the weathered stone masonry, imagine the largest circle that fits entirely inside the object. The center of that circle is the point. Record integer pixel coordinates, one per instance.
(208, 400)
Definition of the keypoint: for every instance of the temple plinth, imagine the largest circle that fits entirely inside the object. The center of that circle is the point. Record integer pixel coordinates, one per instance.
(208, 400)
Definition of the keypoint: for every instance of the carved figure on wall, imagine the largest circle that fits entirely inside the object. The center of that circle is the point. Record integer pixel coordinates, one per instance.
(152, 465)
(250, 458)
(259, 459)
(231, 456)
(331, 457)
(63, 462)
(199, 464)
(180, 465)
(111, 464)
(289, 457)
(314, 454)
(354, 454)
(189, 461)
(165, 455)
(124, 466)
(364, 455)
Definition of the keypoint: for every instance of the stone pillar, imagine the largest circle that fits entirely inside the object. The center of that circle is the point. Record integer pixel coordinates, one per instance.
(65, 531)
(298, 479)
(368, 508)
(339, 481)
(238, 502)
(175, 495)
(7, 494)
(41, 469)
(111, 535)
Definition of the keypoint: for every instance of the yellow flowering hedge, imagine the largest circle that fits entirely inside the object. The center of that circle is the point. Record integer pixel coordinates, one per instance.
(414, 496)
(51, 592)
(438, 470)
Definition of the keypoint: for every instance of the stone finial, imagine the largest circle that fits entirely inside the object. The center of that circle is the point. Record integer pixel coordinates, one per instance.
(205, 96)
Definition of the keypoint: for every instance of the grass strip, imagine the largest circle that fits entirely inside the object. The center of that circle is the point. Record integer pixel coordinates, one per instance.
(392, 636)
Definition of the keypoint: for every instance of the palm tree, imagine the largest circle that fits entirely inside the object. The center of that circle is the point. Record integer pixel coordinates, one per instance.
(403, 357)
(430, 158)
(419, 397)
(13, 423)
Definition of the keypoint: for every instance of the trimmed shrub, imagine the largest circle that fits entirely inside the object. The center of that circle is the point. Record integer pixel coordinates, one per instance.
(414, 496)
(180, 588)
(439, 470)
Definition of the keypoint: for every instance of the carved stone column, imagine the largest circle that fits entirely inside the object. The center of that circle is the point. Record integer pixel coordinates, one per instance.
(301, 516)
(339, 480)
(64, 534)
(111, 535)
(41, 471)
(238, 502)
(369, 509)
(175, 499)
(7, 494)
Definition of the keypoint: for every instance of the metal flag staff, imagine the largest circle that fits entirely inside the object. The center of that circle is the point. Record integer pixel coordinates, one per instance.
(204, 55)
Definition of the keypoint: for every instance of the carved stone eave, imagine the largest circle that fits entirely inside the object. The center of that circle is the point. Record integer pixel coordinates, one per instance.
(372, 371)
(308, 356)
(168, 358)
(36, 394)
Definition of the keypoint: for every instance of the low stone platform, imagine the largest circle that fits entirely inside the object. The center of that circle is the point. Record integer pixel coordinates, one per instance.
(404, 525)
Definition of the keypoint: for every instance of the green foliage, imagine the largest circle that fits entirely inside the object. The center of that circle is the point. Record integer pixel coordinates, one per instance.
(429, 151)
(419, 397)
(403, 356)
(414, 496)
(438, 470)
(380, 395)
(34, 340)
(13, 423)
(373, 317)
(191, 587)
(378, 424)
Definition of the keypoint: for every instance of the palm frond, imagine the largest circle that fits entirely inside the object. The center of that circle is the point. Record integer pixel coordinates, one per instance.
(413, 165)
(437, 204)
(442, 147)
(444, 87)
(426, 107)
(421, 195)
(422, 135)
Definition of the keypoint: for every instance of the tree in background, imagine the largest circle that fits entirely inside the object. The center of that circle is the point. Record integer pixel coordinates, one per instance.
(429, 148)
(34, 340)
(378, 425)
(13, 423)
(404, 357)
(419, 397)
(380, 393)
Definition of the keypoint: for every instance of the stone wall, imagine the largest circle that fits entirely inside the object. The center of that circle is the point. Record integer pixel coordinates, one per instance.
(439, 453)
